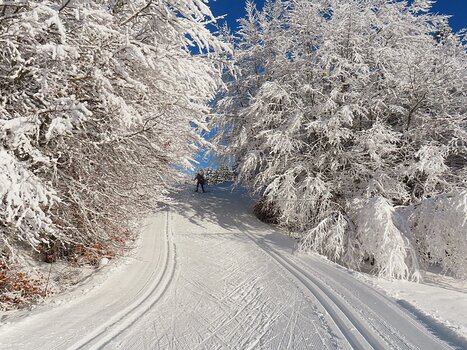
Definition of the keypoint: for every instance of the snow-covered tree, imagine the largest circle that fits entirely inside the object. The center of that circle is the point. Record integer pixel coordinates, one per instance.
(439, 224)
(219, 175)
(335, 101)
(99, 101)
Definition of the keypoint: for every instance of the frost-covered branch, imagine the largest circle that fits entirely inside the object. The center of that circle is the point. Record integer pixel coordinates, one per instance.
(337, 101)
(96, 109)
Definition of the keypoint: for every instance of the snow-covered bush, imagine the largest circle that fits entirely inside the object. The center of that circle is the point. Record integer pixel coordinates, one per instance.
(99, 101)
(378, 239)
(328, 237)
(439, 224)
(219, 175)
(342, 100)
(18, 289)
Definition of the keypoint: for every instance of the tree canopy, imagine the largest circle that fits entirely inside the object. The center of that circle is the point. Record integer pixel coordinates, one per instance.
(342, 106)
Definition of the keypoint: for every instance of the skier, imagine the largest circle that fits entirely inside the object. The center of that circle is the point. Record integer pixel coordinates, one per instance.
(200, 180)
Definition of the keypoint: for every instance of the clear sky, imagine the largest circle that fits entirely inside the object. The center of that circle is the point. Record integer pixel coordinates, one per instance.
(235, 9)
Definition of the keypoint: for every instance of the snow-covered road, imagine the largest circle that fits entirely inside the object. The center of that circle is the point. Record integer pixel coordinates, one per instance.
(209, 275)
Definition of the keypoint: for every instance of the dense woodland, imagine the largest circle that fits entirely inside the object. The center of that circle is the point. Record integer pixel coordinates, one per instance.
(347, 118)
(100, 100)
(340, 115)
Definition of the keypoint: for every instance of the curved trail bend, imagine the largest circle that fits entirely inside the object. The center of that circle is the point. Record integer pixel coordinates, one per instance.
(209, 275)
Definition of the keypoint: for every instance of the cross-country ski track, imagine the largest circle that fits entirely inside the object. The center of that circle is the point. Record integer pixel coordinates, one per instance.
(208, 275)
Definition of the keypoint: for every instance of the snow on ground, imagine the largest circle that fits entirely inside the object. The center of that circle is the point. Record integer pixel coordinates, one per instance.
(208, 275)
(441, 297)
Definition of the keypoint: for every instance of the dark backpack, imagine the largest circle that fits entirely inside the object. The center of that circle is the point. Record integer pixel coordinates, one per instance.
(200, 178)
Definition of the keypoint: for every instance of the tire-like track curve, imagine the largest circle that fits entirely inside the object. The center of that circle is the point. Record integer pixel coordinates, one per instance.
(151, 293)
(229, 282)
(97, 312)
(358, 332)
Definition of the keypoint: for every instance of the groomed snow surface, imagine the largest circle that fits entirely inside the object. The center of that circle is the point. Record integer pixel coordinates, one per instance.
(208, 275)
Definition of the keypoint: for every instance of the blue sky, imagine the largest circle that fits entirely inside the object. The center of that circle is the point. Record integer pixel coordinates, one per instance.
(235, 9)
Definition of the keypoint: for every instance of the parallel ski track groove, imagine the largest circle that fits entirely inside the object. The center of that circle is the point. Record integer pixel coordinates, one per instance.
(158, 285)
(390, 330)
(364, 339)
(380, 297)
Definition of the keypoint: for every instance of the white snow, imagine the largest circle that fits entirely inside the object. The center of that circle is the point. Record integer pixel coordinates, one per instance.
(324, 121)
(103, 262)
(207, 274)
(91, 91)
(441, 297)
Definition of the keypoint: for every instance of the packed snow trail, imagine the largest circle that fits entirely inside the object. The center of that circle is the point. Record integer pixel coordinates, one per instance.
(209, 275)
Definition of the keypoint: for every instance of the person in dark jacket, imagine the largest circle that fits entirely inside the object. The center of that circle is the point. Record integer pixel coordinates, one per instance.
(200, 180)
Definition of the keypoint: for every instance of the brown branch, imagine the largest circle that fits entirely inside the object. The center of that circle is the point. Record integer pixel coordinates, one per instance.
(137, 12)
(413, 109)
(65, 4)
